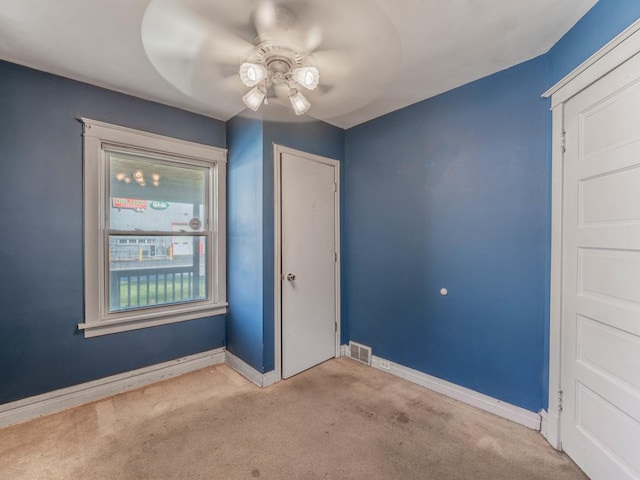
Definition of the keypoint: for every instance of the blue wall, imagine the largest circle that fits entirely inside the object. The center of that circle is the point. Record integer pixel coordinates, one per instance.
(601, 24)
(41, 291)
(245, 331)
(451, 192)
(455, 192)
(250, 137)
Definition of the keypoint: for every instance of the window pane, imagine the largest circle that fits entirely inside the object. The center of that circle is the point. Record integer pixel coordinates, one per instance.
(156, 271)
(148, 195)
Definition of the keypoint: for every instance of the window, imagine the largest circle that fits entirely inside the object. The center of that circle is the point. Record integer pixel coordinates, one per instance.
(154, 234)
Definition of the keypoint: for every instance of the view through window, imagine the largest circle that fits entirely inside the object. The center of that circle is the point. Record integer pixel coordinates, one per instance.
(157, 233)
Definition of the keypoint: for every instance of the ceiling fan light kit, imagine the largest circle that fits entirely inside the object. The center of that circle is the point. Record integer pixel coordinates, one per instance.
(308, 77)
(254, 97)
(299, 103)
(270, 65)
(252, 74)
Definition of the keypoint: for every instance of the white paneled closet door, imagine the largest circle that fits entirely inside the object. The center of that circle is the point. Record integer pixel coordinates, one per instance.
(600, 420)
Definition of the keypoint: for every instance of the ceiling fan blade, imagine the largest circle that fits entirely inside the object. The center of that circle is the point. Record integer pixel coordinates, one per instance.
(196, 77)
(265, 18)
(168, 27)
(225, 47)
(334, 64)
(228, 70)
(314, 38)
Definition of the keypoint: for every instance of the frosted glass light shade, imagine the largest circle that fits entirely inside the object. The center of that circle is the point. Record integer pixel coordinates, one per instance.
(254, 98)
(252, 74)
(308, 77)
(299, 103)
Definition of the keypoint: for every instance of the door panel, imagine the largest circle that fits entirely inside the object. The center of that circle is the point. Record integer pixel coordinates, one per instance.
(601, 277)
(604, 424)
(309, 253)
(611, 197)
(609, 350)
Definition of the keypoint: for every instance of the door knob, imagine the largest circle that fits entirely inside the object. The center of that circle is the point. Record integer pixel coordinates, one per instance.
(291, 277)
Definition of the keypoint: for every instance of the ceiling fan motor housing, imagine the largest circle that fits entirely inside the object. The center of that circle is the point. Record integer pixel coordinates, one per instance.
(279, 61)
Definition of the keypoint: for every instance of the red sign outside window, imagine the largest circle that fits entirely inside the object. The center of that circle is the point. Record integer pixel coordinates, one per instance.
(132, 203)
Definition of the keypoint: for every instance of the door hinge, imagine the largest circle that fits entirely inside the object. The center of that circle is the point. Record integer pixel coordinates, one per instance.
(335, 326)
(335, 257)
(563, 142)
(560, 400)
(335, 187)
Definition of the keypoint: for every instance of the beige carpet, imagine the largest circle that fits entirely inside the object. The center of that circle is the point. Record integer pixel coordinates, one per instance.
(340, 420)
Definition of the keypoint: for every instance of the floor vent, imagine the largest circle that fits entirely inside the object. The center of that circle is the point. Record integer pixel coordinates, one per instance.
(360, 353)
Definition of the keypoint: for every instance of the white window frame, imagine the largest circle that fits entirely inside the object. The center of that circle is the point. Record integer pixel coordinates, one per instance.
(100, 137)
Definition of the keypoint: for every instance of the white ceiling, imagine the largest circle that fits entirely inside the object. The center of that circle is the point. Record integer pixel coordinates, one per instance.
(376, 55)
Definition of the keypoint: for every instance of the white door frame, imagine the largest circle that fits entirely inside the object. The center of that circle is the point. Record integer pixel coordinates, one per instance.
(613, 54)
(277, 246)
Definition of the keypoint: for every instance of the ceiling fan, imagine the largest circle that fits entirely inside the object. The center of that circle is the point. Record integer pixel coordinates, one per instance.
(278, 62)
(294, 53)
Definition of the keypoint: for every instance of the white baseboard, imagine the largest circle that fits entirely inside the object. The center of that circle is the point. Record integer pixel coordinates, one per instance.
(269, 378)
(250, 373)
(544, 423)
(57, 400)
(479, 400)
(550, 429)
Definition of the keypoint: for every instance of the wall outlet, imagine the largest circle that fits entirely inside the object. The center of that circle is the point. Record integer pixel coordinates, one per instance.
(384, 365)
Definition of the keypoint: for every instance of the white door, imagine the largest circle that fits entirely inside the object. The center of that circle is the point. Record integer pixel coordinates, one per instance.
(600, 427)
(309, 262)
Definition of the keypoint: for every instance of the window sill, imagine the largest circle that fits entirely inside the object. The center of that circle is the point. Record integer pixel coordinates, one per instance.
(107, 327)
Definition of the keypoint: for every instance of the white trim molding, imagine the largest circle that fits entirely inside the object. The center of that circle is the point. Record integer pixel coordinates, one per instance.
(76, 395)
(479, 400)
(65, 398)
(614, 53)
(247, 371)
(62, 399)
(623, 47)
(484, 402)
(544, 423)
(555, 298)
(278, 150)
(99, 140)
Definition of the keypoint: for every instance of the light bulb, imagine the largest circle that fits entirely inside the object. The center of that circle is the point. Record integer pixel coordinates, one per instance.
(138, 176)
(253, 99)
(308, 77)
(252, 74)
(299, 103)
